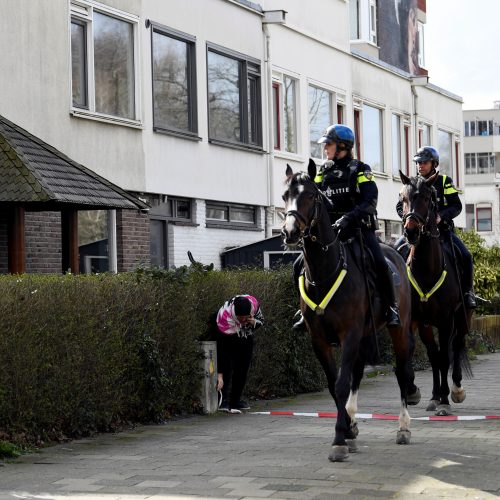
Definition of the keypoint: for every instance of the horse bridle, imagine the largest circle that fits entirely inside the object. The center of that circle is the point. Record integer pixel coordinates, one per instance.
(306, 231)
(421, 221)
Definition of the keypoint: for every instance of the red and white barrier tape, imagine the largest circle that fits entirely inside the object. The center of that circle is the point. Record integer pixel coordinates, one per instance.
(375, 416)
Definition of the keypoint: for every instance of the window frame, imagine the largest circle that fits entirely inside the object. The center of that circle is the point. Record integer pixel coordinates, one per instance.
(230, 224)
(488, 208)
(331, 110)
(381, 138)
(164, 225)
(399, 153)
(244, 73)
(190, 41)
(82, 12)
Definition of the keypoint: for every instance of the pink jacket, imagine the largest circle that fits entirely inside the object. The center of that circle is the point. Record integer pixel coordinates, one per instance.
(228, 323)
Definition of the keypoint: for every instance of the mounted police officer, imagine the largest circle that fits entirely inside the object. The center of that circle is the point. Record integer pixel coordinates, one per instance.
(350, 187)
(449, 207)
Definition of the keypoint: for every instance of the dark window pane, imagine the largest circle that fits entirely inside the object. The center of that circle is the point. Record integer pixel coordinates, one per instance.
(170, 82)
(224, 97)
(473, 128)
(114, 66)
(484, 219)
(253, 114)
(217, 213)
(183, 209)
(466, 132)
(93, 241)
(79, 65)
(243, 215)
(157, 245)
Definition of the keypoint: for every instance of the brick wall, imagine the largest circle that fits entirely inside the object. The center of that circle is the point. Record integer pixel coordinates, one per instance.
(43, 242)
(206, 244)
(4, 246)
(132, 235)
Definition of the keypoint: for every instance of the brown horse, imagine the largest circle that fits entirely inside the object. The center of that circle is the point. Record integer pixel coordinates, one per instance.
(436, 295)
(336, 304)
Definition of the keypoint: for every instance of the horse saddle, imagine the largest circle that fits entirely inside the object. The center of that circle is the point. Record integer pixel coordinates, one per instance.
(369, 265)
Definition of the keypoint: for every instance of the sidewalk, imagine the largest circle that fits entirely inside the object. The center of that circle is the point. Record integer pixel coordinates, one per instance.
(282, 457)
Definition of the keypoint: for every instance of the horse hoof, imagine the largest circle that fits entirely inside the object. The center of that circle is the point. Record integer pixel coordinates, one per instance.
(443, 411)
(458, 395)
(403, 437)
(432, 406)
(339, 453)
(352, 445)
(414, 399)
(354, 429)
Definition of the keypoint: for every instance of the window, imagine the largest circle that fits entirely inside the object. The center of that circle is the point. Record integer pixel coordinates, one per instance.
(421, 44)
(426, 135)
(470, 222)
(340, 113)
(479, 163)
(372, 138)
(174, 81)
(445, 153)
(226, 214)
(406, 150)
(396, 144)
(467, 129)
(103, 65)
(484, 219)
(158, 243)
(373, 21)
(234, 103)
(320, 117)
(277, 116)
(93, 241)
(285, 122)
(357, 133)
(354, 19)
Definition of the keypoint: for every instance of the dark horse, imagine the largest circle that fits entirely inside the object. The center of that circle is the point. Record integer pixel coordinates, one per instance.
(333, 270)
(436, 295)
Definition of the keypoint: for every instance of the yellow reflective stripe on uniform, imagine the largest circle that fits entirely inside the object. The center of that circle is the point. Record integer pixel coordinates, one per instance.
(448, 188)
(362, 178)
(318, 178)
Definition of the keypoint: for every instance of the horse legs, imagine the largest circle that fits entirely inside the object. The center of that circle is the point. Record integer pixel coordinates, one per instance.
(426, 334)
(352, 403)
(444, 367)
(413, 395)
(460, 356)
(402, 349)
(340, 449)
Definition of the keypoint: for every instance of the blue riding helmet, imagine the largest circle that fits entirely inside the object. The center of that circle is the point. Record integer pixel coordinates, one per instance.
(427, 153)
(338, 133)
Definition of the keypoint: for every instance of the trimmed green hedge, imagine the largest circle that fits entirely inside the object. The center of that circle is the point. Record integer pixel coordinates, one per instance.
(80, 354)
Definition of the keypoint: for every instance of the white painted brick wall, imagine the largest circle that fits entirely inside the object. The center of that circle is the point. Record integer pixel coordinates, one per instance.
(206, 244)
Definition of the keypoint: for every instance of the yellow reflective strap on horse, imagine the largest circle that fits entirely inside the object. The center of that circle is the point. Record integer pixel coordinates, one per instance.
(318, 179)
(319, 309)
(424, 297)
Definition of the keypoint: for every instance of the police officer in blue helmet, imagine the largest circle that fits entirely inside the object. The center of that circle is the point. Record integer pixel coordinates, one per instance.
(353, 193)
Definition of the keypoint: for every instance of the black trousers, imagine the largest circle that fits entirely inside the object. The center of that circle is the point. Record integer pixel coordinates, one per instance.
(235, 358)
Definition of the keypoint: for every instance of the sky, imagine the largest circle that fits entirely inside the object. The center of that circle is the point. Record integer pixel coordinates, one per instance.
(461, 51)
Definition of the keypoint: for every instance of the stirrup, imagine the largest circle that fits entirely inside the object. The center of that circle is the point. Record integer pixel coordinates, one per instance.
(470, 300)
(300, 324)
(393, 316)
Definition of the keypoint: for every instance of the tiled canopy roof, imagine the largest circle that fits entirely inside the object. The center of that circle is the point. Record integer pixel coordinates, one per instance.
(33, 172)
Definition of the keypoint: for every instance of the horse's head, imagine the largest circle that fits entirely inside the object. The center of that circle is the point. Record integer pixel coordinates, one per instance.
(419, 206)
(302, 200)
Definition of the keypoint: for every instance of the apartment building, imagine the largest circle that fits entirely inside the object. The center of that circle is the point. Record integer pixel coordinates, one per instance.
(482, 172)
(190, 111)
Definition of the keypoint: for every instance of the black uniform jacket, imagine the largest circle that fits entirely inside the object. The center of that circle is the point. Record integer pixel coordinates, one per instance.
(449, 204)
(349, 185)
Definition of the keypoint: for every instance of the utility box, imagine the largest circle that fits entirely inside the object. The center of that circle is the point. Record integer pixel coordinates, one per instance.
(209, 395)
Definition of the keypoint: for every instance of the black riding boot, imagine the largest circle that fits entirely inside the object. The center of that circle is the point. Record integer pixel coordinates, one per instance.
(392, 313)
(468, 289)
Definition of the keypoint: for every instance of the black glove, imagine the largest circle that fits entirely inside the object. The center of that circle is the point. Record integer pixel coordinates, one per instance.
(342, 223)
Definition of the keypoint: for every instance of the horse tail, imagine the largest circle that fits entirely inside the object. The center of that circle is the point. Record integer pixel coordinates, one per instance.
(460, 350)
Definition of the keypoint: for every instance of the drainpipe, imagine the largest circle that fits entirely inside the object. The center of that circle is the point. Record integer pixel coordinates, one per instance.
(270, 17)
